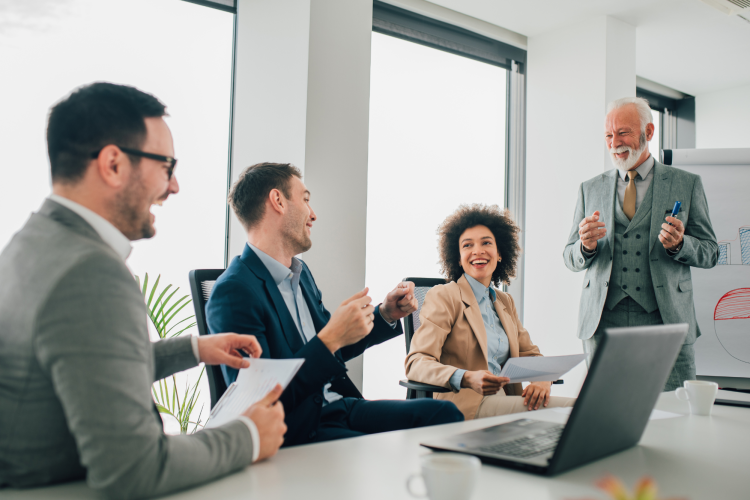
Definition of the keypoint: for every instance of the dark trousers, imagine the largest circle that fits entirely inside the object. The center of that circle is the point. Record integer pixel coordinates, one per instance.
(352, 417)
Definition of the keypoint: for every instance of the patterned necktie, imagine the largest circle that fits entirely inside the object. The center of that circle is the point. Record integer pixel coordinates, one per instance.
(628, 204)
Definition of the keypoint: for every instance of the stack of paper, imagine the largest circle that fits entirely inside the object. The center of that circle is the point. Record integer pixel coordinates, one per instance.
(252, 385)
(539, 368)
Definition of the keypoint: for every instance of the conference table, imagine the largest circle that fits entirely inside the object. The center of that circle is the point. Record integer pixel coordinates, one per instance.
(691, 457)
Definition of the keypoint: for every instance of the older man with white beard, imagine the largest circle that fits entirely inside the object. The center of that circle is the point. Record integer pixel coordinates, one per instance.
(637, 256)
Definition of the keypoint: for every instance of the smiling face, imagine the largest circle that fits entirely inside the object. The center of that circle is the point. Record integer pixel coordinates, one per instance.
(479, 255)
(148, 184)
(299, 218)
(627, 145)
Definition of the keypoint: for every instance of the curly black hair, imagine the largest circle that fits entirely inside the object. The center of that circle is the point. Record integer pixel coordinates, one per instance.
(498, 221)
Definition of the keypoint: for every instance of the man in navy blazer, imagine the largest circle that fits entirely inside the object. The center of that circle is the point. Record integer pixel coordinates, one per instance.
(269, 293)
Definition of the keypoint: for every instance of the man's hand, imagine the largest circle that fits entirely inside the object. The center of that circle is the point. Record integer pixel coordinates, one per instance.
(590, 230)
(399, 303)
(536, 394)
(350, 323)
(222, 349)
(671, 236)
(268, 416)
(483, 382)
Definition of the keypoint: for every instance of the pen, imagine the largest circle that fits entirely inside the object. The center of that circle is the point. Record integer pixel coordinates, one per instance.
(675, 210)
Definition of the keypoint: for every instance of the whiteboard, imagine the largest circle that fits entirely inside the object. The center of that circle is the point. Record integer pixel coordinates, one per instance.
(722, 294)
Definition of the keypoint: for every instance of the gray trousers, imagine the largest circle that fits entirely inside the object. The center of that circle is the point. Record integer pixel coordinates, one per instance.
(628, 313)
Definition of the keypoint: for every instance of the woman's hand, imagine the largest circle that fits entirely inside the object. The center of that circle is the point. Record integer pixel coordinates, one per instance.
(536, 394)
(483, 382)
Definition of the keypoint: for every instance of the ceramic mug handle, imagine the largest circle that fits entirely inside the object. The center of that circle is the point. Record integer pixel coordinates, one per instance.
(682, 394)
(409, 483)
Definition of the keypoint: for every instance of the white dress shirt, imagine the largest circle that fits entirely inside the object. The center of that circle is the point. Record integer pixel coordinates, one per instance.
(122, 247)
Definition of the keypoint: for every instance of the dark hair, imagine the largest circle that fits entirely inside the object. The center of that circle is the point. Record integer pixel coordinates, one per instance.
(92, 117)
(248, 195)
(498, 221)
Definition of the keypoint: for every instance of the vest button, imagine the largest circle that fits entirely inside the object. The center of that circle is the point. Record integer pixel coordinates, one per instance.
(624, 252)
(624, 269)
(318, 400)
(637, 289)
(624, 287)
(606, 284)
(638, 236)
(637, 270)
(638, 254)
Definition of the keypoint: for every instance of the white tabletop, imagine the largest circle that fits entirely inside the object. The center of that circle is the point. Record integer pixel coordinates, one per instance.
(689, 456)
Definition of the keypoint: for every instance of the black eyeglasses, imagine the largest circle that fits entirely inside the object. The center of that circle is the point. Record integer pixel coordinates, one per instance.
(134, 152)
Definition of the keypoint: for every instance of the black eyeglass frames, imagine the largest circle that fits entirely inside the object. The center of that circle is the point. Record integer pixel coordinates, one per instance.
(134, 152)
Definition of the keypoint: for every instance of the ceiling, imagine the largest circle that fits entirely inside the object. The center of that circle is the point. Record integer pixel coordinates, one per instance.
(683, 44)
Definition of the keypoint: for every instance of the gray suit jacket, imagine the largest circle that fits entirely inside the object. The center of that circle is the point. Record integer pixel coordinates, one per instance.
(76, 369)
(670, 274)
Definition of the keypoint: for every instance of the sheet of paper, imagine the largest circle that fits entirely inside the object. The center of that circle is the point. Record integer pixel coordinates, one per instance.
(655, 414)
(539, 368)
(251, 386)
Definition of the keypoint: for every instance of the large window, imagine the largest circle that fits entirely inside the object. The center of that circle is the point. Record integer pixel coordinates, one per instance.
(437, 140)
(654, 146)
(178, 51)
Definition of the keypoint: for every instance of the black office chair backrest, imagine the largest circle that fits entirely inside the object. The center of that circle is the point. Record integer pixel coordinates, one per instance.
(411, 322)
(201, 283)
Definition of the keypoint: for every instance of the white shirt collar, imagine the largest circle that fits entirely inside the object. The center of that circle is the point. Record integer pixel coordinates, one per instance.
(643, 169)
(109, 233)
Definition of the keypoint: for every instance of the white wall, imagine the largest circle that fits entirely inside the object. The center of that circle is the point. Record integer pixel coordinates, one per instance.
(722, 119)
(573, 73)
(302, 90)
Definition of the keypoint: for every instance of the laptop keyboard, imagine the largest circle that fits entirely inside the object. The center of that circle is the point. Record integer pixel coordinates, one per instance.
(538, 443)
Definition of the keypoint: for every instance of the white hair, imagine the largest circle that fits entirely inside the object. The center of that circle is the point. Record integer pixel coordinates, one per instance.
(644, 110)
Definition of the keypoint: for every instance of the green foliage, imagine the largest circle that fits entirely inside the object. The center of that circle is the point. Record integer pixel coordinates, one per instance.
(162, 311)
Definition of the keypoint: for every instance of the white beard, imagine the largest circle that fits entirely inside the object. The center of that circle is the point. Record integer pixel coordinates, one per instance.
(632, 158)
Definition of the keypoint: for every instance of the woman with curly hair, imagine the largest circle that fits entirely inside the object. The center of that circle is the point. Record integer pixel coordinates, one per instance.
(469, 328)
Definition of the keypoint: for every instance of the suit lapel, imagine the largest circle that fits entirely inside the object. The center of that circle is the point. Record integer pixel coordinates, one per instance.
(661, 185)
(473, 314)
(292, 335)
(508, 325)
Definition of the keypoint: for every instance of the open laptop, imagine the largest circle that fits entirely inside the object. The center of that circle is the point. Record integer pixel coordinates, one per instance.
(626, 376)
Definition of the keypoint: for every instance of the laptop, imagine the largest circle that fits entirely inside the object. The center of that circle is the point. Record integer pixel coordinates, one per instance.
(626, 376)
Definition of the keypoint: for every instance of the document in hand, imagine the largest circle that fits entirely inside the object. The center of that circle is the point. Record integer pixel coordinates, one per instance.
(251, 386)
(539, 368)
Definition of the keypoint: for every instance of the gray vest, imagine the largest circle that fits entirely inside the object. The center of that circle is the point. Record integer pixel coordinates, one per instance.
(631, 273)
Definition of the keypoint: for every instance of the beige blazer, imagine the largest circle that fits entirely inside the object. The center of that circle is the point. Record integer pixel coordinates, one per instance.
(452, 335)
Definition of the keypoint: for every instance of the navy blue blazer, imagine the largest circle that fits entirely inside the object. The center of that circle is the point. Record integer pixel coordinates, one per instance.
(245, 299)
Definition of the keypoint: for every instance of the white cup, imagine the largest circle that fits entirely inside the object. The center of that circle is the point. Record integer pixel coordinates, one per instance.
(700, 394)
(447, 476)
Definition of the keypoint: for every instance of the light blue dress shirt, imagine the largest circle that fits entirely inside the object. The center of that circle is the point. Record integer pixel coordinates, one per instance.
(288, 282)
(498, 348)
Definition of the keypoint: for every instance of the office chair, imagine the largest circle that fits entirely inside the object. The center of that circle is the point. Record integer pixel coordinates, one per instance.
(416, 390)
(201, 283)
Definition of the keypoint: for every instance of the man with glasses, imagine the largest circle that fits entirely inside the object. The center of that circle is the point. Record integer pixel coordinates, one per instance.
(76, 363)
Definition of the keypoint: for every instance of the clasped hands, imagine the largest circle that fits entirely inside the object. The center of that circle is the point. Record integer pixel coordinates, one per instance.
(485, 383)
(591, 230)
(354, 318)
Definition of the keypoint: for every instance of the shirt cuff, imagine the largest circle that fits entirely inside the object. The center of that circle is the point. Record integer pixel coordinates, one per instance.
(196, 353)
(586, 253)
(456, 378)
(253, 433)
(392, 325)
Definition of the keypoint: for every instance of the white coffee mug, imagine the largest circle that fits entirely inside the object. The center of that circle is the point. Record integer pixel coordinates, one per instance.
(447, 476)
(699, 394)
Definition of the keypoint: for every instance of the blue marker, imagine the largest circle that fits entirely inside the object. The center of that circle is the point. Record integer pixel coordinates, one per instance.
(675, 210)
